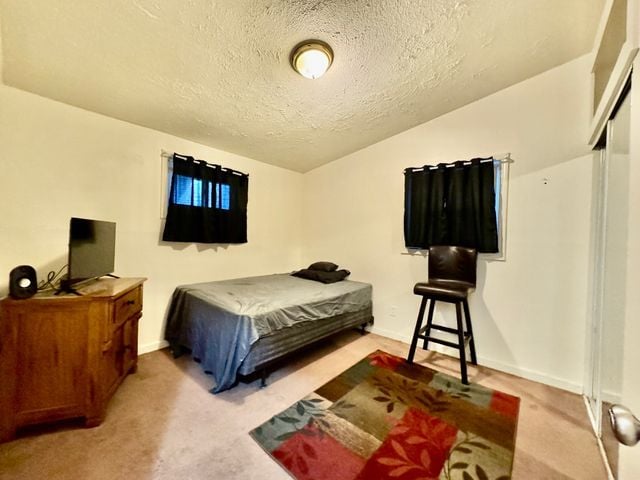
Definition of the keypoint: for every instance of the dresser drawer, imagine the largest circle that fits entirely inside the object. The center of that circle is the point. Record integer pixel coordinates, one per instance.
(127, 305)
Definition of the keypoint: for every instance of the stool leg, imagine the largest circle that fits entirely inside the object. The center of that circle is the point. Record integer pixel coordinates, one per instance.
(472, 343)
(416, 332)
(463, 360)
(427, 332)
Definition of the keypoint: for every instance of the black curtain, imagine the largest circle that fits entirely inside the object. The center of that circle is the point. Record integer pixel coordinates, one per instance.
(425, 222)
(207, 203)
(451, 205)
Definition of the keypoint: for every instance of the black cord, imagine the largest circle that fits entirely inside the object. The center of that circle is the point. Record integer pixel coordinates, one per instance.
(52, 281)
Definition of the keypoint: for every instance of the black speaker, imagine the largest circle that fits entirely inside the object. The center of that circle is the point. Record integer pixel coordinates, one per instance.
(23, 282)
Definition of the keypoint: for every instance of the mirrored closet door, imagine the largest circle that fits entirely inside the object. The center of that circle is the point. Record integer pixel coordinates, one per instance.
(610, 272)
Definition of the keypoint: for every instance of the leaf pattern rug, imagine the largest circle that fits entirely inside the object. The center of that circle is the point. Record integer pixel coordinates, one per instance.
(386, 419)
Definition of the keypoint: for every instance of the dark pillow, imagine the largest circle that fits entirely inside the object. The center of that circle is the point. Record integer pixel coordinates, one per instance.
(320, 276)
(323, 266)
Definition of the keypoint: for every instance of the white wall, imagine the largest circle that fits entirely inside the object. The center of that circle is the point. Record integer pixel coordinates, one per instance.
(529, 311)
(58, 161)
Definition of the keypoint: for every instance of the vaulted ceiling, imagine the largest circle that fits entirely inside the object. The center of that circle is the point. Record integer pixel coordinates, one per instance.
(218, 73)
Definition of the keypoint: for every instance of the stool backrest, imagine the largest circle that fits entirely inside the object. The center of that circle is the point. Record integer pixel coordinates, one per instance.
(453, 263)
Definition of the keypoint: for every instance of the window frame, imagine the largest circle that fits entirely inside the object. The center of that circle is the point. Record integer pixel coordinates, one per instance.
(501, 184)
(222, 194)
(166, 172)
(201, 224)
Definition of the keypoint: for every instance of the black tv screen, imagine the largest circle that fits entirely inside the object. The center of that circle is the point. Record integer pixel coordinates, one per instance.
(92, 245)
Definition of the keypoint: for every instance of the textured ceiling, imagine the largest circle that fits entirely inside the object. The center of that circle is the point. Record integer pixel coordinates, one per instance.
(217, 72)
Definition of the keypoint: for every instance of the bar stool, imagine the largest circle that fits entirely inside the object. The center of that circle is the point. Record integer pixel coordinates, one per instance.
(452, 276)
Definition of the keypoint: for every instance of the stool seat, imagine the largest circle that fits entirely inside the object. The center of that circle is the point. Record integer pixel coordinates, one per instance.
(444, 289)
(452, 277)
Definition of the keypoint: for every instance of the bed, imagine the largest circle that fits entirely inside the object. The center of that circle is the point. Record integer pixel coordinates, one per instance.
(243, 326)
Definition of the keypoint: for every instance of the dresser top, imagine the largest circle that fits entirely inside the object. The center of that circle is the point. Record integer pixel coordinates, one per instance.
(108, 286)
(105, 287)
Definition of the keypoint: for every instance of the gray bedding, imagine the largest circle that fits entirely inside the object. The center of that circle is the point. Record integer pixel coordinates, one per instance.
(283, 342)
(220, 321)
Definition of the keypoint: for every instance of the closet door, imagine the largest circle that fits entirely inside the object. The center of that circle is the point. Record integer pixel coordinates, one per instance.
(612, 261)
(615, 278)
(629, 456)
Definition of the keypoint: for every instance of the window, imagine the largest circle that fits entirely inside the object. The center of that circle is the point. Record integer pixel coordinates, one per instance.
(222, 196)
(188, 191)
(206, 203)
(463, 203)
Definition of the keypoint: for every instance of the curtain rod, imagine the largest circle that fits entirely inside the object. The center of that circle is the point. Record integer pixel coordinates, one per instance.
(502, 158)
(170, 155)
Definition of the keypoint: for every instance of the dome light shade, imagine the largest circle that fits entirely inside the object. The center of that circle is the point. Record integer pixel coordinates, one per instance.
(311, 58)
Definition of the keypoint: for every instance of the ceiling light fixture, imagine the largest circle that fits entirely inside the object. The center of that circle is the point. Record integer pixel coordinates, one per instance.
(311, 58)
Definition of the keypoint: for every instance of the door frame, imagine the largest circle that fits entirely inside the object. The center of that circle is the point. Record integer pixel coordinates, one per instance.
(593, 373)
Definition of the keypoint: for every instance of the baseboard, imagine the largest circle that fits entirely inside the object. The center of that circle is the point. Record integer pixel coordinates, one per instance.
(532, 375)
(609, 397)
(503, 367)
(152, 347)
(388, 333)
(487, 362)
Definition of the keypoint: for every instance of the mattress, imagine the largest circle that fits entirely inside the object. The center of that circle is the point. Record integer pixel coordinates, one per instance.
(221, 321)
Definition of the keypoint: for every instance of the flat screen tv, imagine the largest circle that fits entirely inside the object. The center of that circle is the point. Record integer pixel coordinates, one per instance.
(92, 248)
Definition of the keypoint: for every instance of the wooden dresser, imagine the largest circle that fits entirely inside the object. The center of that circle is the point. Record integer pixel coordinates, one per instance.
(64, 356)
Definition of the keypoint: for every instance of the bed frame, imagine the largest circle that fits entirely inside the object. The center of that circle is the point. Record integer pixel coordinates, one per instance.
(272, 349)
(282, 344)
(242, 327)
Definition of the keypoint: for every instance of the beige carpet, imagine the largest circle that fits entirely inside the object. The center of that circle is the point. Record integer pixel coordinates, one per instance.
(164, 424)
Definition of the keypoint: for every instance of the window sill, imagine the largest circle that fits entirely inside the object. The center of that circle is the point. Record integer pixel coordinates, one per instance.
(490, 257)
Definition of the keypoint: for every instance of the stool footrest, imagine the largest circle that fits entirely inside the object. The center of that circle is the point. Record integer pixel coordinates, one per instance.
(467, 339)
(444, 342)
(454, 331)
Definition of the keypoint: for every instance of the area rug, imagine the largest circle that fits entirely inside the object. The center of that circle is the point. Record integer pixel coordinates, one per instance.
(386, 419)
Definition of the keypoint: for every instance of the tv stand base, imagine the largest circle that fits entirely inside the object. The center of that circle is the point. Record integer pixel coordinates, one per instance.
(65, 287)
